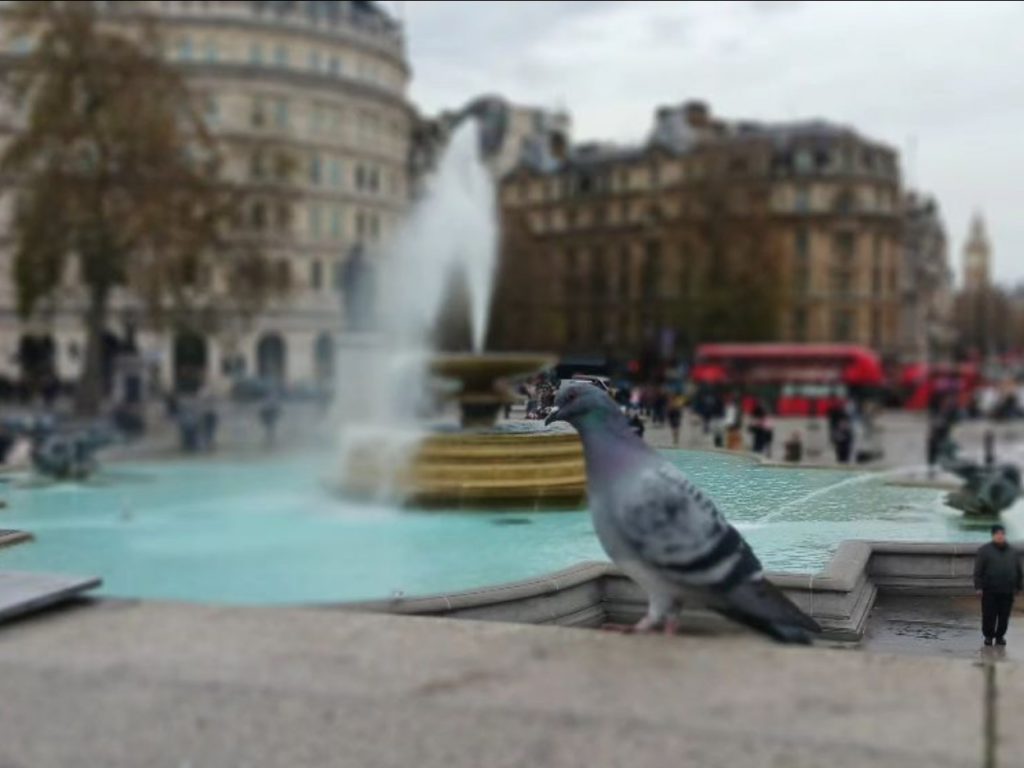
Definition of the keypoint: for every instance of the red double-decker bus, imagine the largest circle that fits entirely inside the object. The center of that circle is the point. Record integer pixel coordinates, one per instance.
(922, 383)
(793, 379)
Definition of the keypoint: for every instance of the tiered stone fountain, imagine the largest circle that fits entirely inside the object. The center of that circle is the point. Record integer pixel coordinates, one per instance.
(478, 463)
(387, 450)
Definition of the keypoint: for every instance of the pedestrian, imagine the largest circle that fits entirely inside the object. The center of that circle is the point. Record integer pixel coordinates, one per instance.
(840, 431)
(270, 412)
(940, 433)
(675, 417)
(761, 433)
(660, 410)
(637, 423)
(210, 422)
(794, 448)
(997, 576)
(733, 420)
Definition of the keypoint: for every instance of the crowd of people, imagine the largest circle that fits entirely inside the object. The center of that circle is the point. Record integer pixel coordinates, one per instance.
(731, 421)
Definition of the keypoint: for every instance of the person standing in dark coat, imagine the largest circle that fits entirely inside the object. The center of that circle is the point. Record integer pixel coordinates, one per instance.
(997, 576)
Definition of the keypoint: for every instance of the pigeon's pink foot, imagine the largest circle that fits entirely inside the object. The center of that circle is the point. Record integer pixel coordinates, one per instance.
(671, 627)
(624, 629)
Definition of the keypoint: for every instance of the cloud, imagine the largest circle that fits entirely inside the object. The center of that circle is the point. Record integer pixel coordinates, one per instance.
(942, 76)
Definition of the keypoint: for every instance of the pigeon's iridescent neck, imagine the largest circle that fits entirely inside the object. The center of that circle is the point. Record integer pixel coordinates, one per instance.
(609, 444)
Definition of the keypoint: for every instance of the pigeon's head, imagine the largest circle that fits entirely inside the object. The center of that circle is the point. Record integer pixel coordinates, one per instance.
(580, 401)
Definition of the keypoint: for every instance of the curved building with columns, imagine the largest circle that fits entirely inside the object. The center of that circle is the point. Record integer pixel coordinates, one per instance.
(308, 98)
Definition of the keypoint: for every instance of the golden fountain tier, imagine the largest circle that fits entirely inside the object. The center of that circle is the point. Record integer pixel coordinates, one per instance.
(481, 464)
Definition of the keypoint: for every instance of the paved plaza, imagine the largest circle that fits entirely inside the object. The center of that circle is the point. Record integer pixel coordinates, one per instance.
(154, 684)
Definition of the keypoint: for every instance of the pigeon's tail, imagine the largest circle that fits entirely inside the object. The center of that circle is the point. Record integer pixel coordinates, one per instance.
(760, 605)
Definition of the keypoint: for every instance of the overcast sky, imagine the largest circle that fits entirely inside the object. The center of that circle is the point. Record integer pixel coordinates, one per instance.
(942, 82)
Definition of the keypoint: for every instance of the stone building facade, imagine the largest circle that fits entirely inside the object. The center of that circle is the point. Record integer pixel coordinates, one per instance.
(926, 283)
(710, 229)
(309, 102)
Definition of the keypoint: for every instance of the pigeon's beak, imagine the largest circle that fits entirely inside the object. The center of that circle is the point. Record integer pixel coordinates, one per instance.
(553, 416)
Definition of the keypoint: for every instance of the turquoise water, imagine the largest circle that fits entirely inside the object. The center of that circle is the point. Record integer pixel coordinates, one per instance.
(268, 531)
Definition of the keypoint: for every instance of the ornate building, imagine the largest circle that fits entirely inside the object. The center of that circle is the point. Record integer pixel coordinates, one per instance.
(983, 311)
(711, 229)
(309, 101)
(977, 257)
(926, 283)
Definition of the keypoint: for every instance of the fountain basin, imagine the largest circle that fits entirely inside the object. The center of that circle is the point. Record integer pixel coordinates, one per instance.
(267, 532)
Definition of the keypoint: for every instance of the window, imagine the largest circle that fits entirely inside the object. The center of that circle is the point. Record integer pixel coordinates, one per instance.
(314, 169)
(282, 166)
(257, 166)
(800, 324)
(335, 172)
(315, 224)
(258, 117)
(842, 325)
(316, 120)
(283, 274)
(360, 225)
(259, 216)
(256, 53)
(598, 276)
(21, 45)
(843, 249)
(624, 281)
(316, 276)
(281, 112)
(336, 223)
(314, 60)
(335, 65)
(360, 177)
(281, 55)
(211, 110)
(570, 281)
(804, 161)
(185, 49)
(843, 204)
(338, 278)
(802, 264)
(284, 218)
(876, 267)
(211, 51)
(802, 201)
(652, 269)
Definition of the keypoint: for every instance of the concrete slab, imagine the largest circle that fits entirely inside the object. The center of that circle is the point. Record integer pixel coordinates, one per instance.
(148, 684)
(1006, 692)
(22, 591)
(938, 626)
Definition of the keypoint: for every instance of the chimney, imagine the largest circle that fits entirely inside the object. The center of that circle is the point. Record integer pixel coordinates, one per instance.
(558, 145)
(698, 114)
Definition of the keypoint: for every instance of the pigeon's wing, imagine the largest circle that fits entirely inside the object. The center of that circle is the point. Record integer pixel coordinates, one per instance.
(679, 532)
(676, 529)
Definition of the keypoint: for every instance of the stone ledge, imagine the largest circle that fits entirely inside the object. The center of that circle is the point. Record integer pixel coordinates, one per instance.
(839, 597)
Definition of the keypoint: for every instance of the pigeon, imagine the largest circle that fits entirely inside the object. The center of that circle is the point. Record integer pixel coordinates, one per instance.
(664, 533)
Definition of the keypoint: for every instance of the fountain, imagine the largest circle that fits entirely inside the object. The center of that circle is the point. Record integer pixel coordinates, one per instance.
(393, 446)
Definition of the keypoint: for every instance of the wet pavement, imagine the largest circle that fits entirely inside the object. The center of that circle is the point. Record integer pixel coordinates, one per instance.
(938, 626)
